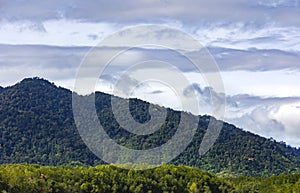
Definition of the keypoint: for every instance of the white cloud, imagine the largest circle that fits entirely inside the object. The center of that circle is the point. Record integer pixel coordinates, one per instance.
(241, 36)
(279, 120)
(244, 36)
(289, 115)
(281, 83)
(55, 32)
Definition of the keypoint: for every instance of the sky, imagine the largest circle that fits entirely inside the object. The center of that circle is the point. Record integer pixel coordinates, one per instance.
(256, 45)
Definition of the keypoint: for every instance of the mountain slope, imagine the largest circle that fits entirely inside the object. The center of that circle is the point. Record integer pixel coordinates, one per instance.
(37, 126)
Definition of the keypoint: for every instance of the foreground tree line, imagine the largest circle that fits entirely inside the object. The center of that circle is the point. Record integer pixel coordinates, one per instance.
(108, 178)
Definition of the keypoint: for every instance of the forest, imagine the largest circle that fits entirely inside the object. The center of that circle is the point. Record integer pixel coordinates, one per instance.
(42, 151)
(16, 178)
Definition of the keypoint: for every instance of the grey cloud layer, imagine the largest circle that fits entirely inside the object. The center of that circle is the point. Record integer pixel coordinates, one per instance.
(191, 11)
(44, 58)
(255, 59)
(54, 63)
(39, 55)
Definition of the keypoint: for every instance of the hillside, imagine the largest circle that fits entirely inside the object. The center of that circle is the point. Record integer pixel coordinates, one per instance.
(37, 126)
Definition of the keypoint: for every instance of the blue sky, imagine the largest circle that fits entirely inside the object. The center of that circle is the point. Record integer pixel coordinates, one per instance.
(256, 45)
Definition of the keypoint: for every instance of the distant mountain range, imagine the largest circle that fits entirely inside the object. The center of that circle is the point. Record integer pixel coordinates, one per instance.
(37, 126)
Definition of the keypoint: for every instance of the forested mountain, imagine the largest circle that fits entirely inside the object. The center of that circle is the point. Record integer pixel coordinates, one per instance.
(1, 89)
(37, 126)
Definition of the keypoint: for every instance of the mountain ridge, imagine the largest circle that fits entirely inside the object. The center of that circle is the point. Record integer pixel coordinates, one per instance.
(37, 126)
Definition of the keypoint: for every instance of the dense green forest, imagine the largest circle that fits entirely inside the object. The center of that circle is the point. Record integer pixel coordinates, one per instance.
(16, 178)
(37, 127)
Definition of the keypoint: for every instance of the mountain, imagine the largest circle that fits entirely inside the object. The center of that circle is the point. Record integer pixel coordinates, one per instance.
(1, 89)
(37, 126)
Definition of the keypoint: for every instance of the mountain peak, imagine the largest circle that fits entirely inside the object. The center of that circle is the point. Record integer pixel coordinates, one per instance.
(35, 81)
(36, 85)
